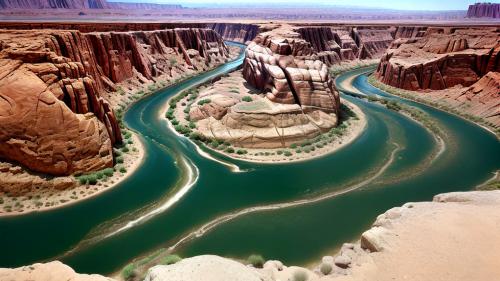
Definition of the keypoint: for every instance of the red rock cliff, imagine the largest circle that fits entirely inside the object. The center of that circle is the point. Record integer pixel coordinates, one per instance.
(53, 118)
(442, 59)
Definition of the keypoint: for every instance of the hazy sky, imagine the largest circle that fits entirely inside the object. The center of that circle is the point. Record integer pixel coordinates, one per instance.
(391, 4)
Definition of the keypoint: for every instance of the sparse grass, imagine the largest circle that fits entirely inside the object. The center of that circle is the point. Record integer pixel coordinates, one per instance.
(170, 259)
(128, 271)
(204, 101)
(247, 99)
(256, 261)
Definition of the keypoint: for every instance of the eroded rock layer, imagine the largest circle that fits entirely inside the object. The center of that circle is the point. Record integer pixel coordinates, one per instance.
(236, 32)
(289, 69)
(484, 10)
(441, 59)
(53, 117)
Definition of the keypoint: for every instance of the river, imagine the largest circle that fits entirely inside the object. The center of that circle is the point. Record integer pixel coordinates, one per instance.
(293, 212)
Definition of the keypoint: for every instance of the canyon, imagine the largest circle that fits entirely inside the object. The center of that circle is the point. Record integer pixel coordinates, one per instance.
(69, 77)
(64, 88)
(458, 66)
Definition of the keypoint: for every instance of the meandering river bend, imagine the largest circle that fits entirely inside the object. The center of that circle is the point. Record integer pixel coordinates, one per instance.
(292, 212)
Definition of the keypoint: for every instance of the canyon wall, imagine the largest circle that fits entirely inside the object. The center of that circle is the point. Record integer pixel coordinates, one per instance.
(443, 58)
(82, 5)
(54, 118)
(484, 10)
(242, 33)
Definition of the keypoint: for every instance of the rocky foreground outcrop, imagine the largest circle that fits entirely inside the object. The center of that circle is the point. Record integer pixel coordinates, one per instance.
(484, 10)
(52, 271)
(54, 118)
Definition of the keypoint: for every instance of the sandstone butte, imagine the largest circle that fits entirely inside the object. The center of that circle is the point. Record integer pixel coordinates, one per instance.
(54, 118)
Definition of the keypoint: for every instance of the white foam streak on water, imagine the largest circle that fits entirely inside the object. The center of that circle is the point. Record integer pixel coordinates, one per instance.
(193, 175)
(228, 217)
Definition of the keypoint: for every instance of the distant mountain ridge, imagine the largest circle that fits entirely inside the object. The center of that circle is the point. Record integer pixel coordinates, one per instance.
(81, 4)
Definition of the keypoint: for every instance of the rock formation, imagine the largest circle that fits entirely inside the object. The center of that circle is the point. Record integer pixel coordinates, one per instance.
(484, 10)
(242, 33)
(285, 66)
(54, 117)
(81, 4)
(442, 59)
(52, 271)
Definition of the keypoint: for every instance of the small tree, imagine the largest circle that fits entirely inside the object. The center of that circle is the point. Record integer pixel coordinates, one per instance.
(256, 261)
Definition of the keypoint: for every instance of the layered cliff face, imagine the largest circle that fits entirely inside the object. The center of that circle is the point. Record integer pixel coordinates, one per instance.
(288, 68)
(53, 4)
(484, 10)
(242, 33)
(53, 116)
(441, 59)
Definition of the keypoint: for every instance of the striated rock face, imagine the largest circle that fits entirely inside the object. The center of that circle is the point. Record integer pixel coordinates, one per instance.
(50, 4)
(290, 70)
(484, 10)
(442, 59)
(242, 33)
(53, 118)
(52, 271)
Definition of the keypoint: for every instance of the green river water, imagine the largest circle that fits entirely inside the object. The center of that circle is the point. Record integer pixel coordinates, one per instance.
(176, 190)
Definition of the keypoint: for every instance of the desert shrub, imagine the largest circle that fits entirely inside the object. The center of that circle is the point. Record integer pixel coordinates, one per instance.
(293, 146)
(83, 179)
(173, 61)
(247, 99)
(256, 260)
(170, 259)
(92, 179)
(300, 275)
(119, 159)
(229, 150)
(287, 153)
(325, 268)
(192, 125)
(298, 150)
(108, 172)
(125, 149)
(279, 152)
(122, 170)
(175, 122)
(241, 151)
(204, 101)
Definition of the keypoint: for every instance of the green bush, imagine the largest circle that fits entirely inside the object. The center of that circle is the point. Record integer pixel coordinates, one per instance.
(279, 152)
(287, 153)
(108, 172)
(125, 149)
(170, 259)
(128, 271)
(123, 170)
(241, 151)
(175, 122)
(256, 260)
(83, 179)
(204, 101)
(293, 146)
(300, 275)
(192, 125)
(119, 159)
(229, 150)
(247, 99)
(325, 268)
(92, 179)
